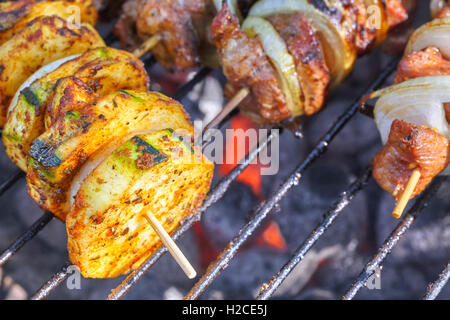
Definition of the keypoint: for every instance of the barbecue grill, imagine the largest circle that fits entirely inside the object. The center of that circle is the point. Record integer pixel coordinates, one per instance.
(260, 214)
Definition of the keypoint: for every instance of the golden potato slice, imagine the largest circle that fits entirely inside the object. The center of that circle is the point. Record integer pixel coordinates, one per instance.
(44, 40)
(57, 155)
(14, 15)
(98, 72)
(108, 234)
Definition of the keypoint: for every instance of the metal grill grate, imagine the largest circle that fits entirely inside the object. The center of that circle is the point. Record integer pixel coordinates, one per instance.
(259, 215)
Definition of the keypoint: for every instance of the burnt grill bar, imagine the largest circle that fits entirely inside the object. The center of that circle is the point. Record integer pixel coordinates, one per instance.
(52, 283)
(436, 287)
(25, 237)
(394, 238)
(267, 290)
(11, 180)
(265, 208)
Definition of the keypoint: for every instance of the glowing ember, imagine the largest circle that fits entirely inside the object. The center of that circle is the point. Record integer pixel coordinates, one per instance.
(272, 238)
(252, 175)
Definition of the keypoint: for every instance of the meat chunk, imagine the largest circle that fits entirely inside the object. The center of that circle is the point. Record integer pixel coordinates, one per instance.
(428, 62)
(397, 12)
(306, 50)
(178, 43)
(245, 64)
(409, 147)
(183, 28)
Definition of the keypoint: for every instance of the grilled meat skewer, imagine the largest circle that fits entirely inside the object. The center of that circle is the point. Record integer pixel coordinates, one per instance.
(413, 115)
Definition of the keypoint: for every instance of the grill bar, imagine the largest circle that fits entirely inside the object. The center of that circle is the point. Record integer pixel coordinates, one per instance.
(267, 290)
(51, 284)
(216, 194)
(436, 287)
(25, 237)
(11, 180)
(394, 238)
(265, 208)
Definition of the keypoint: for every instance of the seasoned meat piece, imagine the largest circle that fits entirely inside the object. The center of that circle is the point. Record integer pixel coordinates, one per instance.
(410, 147)
(178, 41)
(183, 28)
(428, 62)
(245, 64)
(306, 50)
(397, 12)
(125, 29)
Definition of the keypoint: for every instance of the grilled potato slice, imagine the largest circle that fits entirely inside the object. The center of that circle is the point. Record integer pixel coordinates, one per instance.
(57, 155)
(44, 40)
(14, 15)
(73, 85)
(108, 234)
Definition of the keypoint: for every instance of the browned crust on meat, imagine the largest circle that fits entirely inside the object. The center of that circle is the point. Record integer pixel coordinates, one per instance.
(306, 50)
(245, 64)
(410, 147)
(178, 45)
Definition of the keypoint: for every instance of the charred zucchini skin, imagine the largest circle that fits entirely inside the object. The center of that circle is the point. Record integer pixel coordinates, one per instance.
(107, 233)
(59, 153)
(72, 86)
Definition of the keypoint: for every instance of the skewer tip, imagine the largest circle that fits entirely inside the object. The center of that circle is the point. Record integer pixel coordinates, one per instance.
(406, 195)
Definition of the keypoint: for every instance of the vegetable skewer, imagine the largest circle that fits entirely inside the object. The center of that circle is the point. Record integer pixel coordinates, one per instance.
(62, 94)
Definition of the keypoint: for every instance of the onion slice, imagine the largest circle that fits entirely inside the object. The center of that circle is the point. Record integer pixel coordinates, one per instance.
(38, 75)
(339, 55)
(418, 101)
(275, 48)
(233, 5)
(433, 34)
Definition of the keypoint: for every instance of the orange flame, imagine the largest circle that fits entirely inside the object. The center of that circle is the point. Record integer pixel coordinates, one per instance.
(272, 237)
(251, 176)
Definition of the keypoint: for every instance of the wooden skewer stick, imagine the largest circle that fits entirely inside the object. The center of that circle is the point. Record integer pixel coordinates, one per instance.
(406, 196)
(146, 46)
(171, 246)
(229, 107)
(174, 250)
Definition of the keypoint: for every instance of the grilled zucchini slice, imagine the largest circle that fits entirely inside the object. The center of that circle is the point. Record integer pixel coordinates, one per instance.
(108, 234)
(98, 72)
(57, 155)
(44, 40)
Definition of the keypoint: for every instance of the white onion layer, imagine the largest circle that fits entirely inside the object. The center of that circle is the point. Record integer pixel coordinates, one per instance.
(342, 59)
(433, 34)
(42, 72)
(276, 49)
